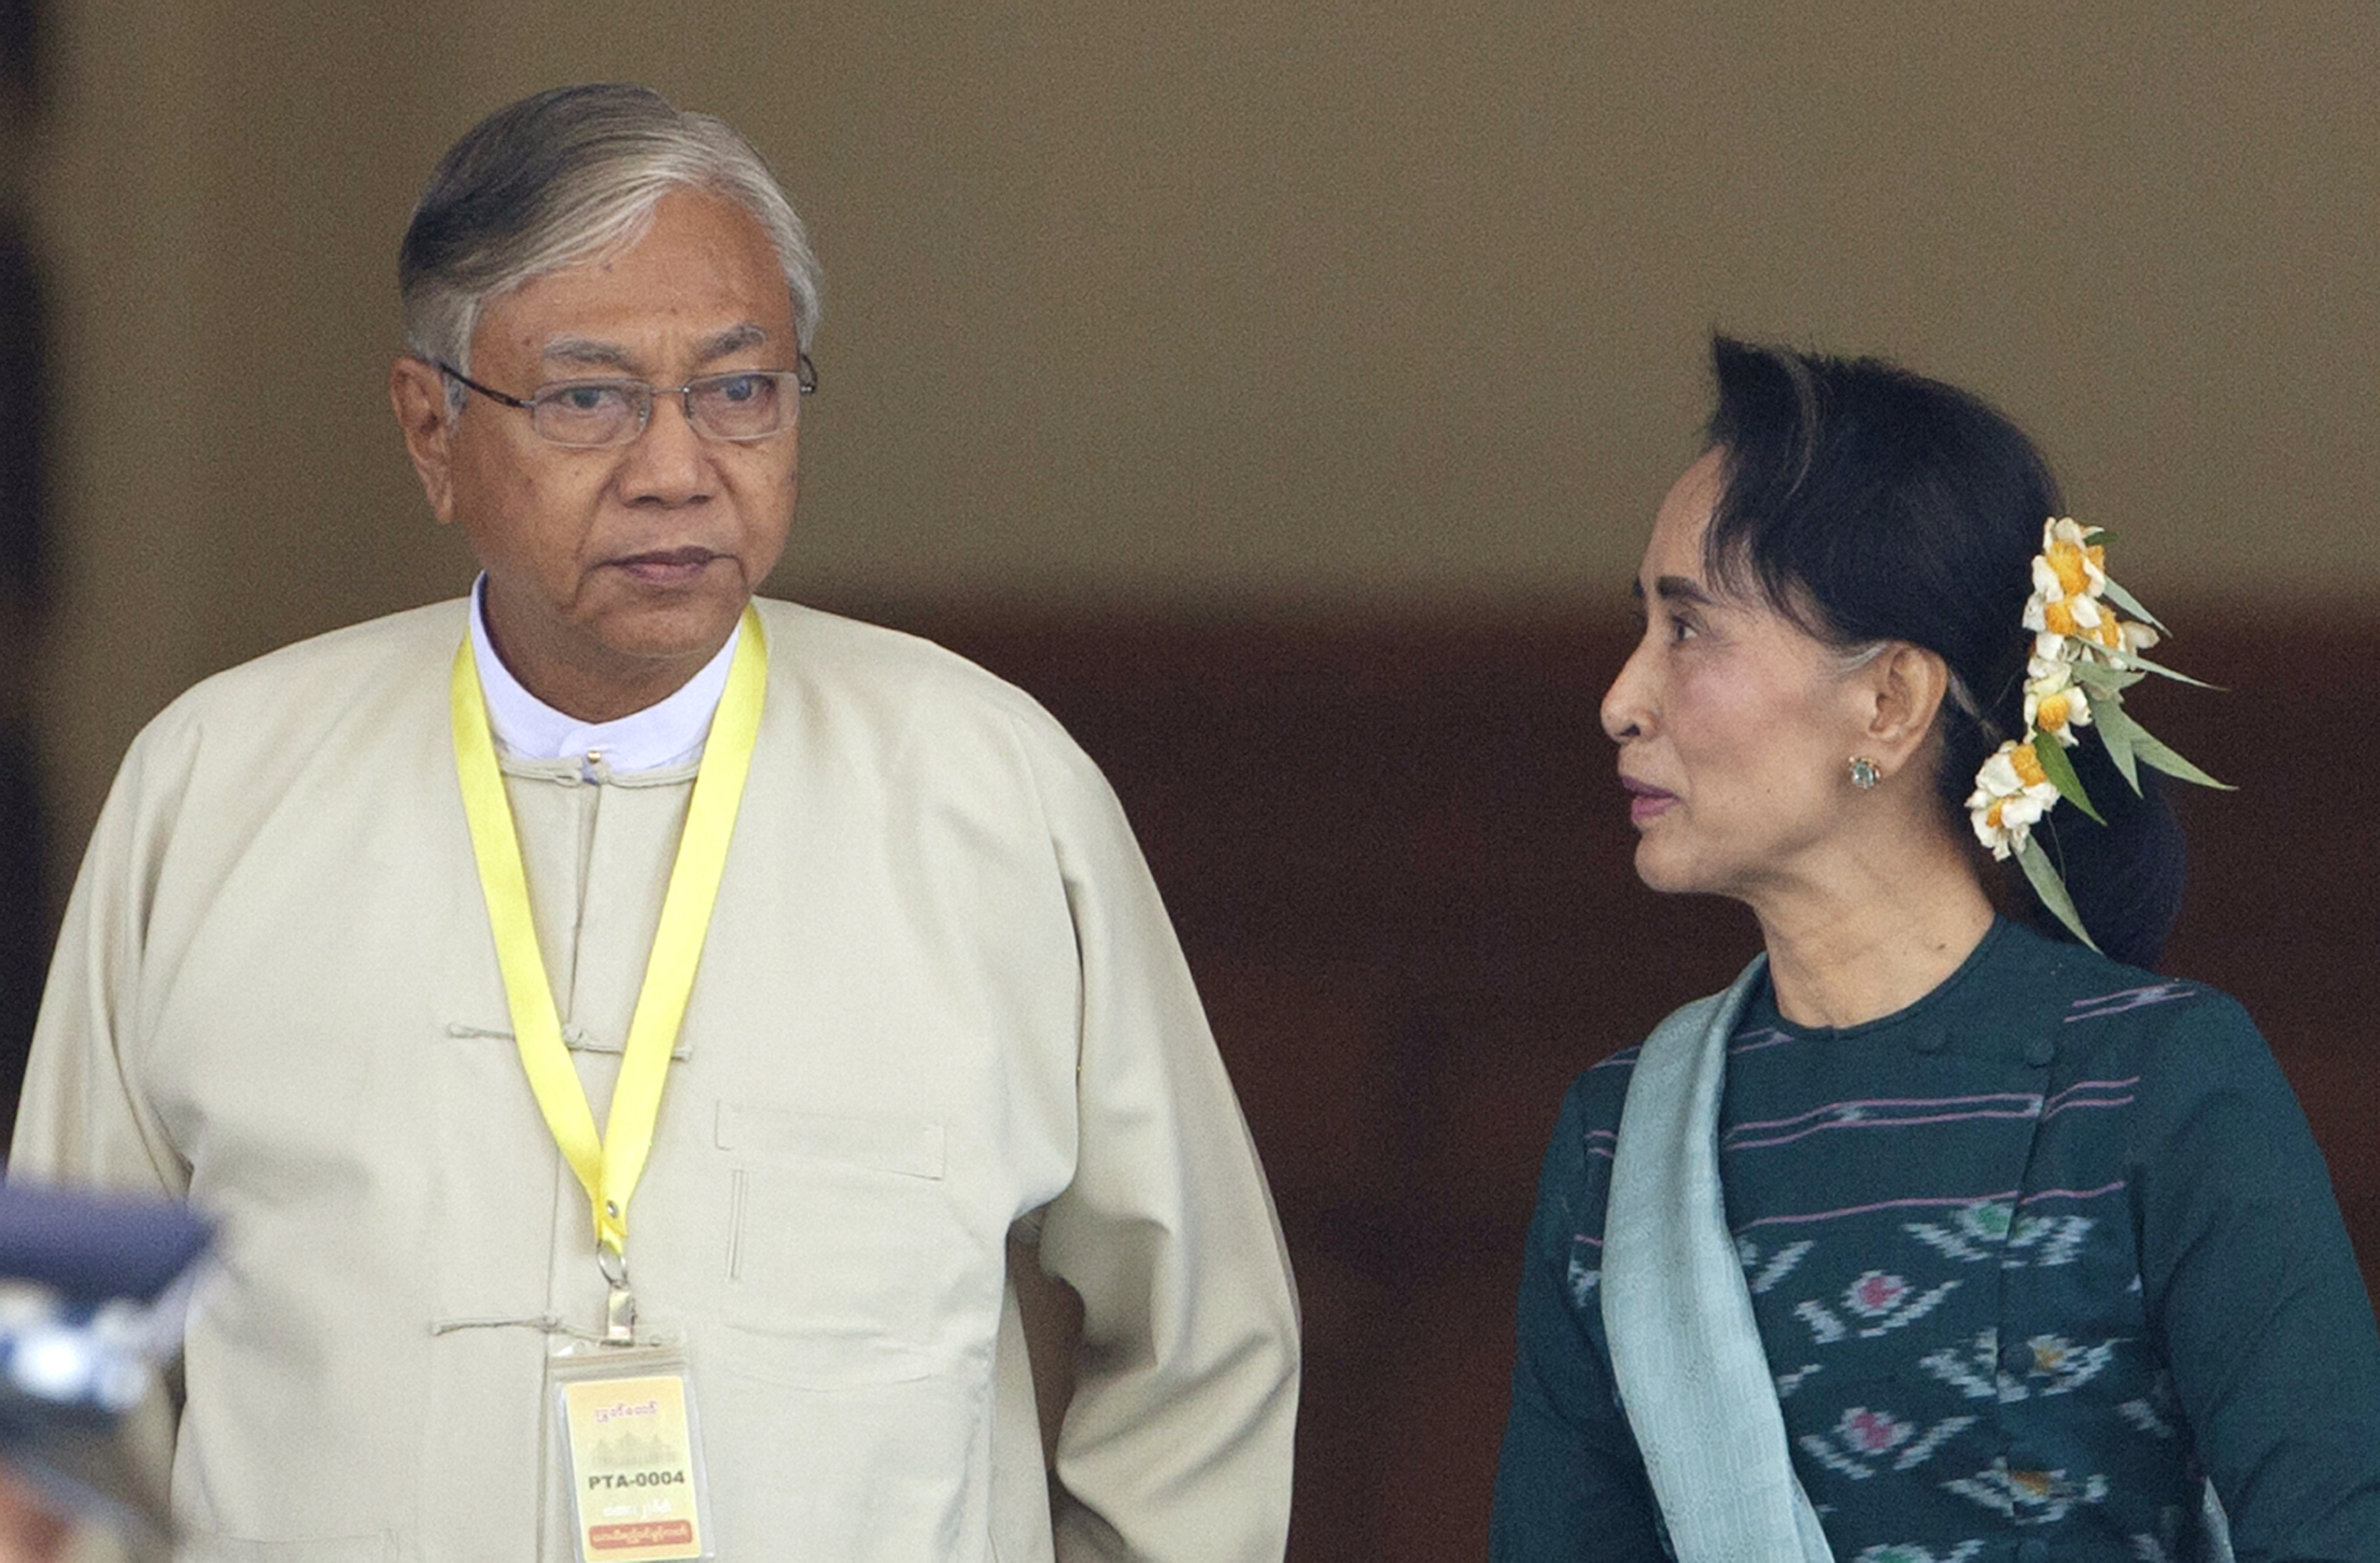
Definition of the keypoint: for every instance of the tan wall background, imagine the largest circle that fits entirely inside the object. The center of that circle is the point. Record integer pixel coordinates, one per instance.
(1230, 306)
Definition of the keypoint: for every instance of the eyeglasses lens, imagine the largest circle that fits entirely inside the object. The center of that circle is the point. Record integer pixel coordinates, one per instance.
(748, 405)
(738, 406)
(590, 412)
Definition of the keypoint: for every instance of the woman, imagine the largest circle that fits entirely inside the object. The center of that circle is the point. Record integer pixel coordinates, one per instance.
(1941, 1235)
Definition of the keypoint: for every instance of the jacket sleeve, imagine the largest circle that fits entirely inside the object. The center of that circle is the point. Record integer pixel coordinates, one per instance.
(2251, 1281)
(83, 1119)
(1177, 1446)
(1570, 1482)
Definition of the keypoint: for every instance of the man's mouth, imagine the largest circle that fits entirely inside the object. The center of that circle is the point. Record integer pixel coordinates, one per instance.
(666, 566)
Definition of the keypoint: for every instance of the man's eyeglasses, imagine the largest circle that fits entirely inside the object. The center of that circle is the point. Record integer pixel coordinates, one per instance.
(742, 404)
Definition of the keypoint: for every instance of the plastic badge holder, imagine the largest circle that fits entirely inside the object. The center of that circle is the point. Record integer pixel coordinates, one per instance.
(631, 1448)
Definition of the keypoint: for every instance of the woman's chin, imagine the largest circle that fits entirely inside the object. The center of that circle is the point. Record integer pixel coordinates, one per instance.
(1660, 870)
(1671, 872)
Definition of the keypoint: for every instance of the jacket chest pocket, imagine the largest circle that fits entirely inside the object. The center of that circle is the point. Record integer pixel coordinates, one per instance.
(843, 1247)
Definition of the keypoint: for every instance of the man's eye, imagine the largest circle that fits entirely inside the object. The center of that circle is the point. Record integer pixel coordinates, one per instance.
(734, 387)
(585, 399)
(1682, 628)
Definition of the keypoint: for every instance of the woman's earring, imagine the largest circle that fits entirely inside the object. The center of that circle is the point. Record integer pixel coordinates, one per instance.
(1864, 772)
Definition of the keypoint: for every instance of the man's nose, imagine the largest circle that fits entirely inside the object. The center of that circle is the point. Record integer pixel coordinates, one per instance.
(669, 460)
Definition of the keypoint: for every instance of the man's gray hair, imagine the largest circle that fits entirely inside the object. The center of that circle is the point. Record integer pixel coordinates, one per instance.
(551, 180)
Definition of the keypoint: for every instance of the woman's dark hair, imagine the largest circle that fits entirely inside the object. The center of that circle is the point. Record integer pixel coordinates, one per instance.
(1868, 503)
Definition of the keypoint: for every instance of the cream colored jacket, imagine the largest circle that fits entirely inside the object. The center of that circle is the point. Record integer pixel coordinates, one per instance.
(939, 1004)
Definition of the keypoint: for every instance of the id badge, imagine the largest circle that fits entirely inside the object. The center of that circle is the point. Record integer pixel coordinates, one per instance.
(631, 1453)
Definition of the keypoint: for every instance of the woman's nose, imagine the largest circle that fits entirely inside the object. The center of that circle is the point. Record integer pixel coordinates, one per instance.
(1626, 710)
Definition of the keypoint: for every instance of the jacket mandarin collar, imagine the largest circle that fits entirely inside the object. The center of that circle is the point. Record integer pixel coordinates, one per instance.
(668, 732)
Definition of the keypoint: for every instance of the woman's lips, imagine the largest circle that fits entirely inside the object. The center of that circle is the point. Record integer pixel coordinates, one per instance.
(1645, 801)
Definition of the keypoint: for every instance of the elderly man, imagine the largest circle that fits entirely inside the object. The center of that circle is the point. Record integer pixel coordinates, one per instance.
(842, 942)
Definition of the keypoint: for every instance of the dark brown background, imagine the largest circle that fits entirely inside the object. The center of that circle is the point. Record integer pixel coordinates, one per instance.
(1400, 864)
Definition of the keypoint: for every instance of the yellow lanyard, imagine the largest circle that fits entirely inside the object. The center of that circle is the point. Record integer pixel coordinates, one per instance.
(608, 1168)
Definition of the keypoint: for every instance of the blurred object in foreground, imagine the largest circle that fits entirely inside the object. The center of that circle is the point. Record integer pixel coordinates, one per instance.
(92, 1293)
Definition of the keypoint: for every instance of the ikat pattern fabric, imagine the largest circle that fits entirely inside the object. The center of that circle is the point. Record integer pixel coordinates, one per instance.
(1954, 1231)
(1913, 1284)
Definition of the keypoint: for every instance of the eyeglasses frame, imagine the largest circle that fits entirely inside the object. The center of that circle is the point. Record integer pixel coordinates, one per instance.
(806, 382)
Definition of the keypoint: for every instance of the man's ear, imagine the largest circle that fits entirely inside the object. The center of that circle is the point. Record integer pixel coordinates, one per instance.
(417, 391)
(1901, 689)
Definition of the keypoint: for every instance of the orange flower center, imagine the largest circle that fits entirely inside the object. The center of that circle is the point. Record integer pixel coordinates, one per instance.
(2051, 716)
(2066, 562)
(2059, 617)
(2028, 766)
(1992, 815)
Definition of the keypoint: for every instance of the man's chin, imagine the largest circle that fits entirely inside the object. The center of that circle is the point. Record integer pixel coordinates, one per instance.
(669, 620)
(674, 642)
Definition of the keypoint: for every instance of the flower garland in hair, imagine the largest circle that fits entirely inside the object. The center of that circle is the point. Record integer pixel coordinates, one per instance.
(2085, 654)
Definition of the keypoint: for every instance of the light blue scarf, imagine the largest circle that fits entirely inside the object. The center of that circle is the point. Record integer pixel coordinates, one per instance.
(1685, 1349)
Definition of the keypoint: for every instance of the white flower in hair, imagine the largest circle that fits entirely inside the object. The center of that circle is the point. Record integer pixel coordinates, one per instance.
(2070, 564)
(2072, 610)
(2085, 654)
(2057, 616)
(2054, 703)
(2012, 791)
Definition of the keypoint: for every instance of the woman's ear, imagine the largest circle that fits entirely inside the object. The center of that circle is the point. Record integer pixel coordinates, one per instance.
(1901, 688)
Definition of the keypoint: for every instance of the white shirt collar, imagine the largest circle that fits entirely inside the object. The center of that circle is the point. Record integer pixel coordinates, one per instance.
(669, 732)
